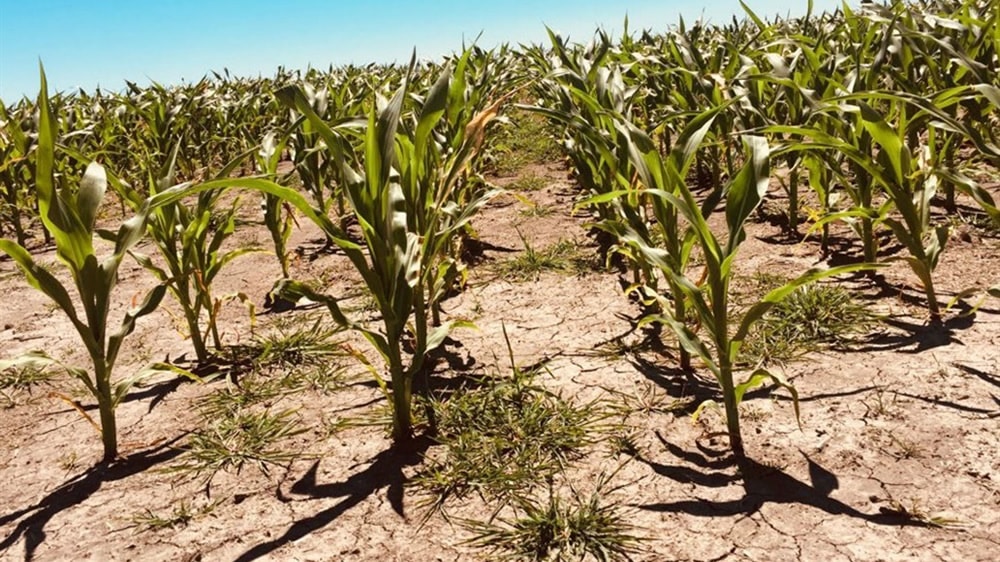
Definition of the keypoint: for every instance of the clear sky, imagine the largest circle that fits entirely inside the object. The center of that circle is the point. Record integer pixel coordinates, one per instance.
(90, 43)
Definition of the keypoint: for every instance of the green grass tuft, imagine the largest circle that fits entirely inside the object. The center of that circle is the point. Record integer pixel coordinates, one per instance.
(556, 529)
(562, 256)
(15, 382)
(810, 318)
(238, 438)
(505, 437)
(525, 139)
(180, 516)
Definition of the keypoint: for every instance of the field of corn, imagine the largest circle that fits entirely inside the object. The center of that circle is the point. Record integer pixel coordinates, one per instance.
(712, 292)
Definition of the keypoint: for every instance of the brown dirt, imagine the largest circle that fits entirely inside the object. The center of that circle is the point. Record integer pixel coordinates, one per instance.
(904, 420)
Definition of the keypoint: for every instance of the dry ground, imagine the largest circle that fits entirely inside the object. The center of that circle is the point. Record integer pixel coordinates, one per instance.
(897, 430)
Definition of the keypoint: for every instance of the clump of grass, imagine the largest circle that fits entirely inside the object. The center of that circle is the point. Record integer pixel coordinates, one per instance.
(180, 516)
(238, 438)
(916, 513)
(979, 222)
(531, 209)
(20, 380)
(811, 317)
(252, 389)
(557, 529)
(529, 265)
(304, 349)
(880, 404)
(525, 140)
(504, 437)
(293, 341)
(528, 182)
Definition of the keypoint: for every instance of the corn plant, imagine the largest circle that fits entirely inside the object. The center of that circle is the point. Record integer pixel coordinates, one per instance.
(312, 162)
(719, 348)
(190, 241)
(70, 217)
(580, 86)
(277, 218)
(68, 213)
(908, 174)
(16, 146)
(406, 201)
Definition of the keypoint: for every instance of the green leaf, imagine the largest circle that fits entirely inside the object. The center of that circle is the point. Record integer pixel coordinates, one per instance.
(39, 278)
(123, 387)
(432, 111)
(759, 377)
(688, 339)
(747, 189)
(438, 335)
(148, 305)
(889, 141)
(756, 19)
(91, 194)
(701, 408)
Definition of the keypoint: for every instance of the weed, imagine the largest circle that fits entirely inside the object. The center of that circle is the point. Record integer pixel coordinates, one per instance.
(379, 416)
(534, 210)
(529, 265)
(19, 380)
(624, 443)
(915, 512)
(754, 413)
(975, 224)
(252, 390)
(525, 139)
(303, 348)
(879, 405)
(69, 461)
(618, 348)
(556, 529)
(238, 438)
(325, 379)
(505, 437)
(299, 341)
(810, 317)
(905, 449)
(528, 182)
(182, 514)
(646, 398)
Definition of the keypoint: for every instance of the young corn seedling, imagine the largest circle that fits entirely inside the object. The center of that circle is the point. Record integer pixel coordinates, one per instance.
(70, 215)
(190, 239)
(719, 346)
(410, 203)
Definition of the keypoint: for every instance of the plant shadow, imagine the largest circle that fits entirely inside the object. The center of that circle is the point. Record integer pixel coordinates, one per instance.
(385, 471)
(386, 468)
(647, 358)
(762, 484)
(913, 338)
(993, 379)
(35, 518)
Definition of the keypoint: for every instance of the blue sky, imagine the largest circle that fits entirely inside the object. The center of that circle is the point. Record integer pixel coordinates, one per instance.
(89, 43)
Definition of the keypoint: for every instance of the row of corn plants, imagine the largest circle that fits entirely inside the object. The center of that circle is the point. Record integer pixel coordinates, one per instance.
(874, 111)
(406, 173)
(864, 128)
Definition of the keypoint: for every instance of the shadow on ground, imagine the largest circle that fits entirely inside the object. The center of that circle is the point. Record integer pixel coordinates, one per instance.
(709, 468)
(385, 471)
(34, 518)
